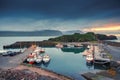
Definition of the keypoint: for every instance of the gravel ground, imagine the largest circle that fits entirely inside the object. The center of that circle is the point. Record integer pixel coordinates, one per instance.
(7, 62)
(22, 75)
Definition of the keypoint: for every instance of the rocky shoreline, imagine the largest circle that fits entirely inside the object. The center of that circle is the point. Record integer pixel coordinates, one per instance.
(26, 44)
(11, 74)
(12, 68)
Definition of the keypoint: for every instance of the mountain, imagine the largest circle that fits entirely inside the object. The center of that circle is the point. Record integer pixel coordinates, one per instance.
(31, 33)
(72, 32)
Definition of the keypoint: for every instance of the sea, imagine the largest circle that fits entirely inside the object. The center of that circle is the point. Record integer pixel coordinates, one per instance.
(66, 62)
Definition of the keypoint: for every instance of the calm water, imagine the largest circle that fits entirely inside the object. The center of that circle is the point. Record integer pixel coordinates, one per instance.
(66, 62)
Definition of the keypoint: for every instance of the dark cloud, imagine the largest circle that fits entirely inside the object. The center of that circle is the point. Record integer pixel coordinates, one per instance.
(64, 9)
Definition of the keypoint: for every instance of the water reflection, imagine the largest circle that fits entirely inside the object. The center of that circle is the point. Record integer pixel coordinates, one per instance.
(75, 50)
(102, 67)
(89, 64)
(46, 64)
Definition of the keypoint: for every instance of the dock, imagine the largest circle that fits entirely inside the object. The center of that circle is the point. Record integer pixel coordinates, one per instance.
(100, 55)
(8, 62)
(92, 76)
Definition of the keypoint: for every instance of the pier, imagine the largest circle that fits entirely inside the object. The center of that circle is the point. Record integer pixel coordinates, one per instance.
(8, 62)
(100, 57)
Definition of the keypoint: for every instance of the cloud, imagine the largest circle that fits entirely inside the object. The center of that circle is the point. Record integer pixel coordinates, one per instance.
(62, 9)
(86, 15)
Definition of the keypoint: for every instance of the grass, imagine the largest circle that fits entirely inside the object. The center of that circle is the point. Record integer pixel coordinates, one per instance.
(109, 56)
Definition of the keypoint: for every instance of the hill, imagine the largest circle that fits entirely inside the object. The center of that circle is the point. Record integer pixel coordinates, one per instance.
(90, 36)
(31, 33)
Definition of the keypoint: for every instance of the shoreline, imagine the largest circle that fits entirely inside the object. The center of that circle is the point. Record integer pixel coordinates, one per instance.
(49, 73)
(114, 72)
(44, 72)
(16, 63)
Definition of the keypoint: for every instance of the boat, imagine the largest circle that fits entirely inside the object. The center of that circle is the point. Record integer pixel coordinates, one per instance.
(46, 58)
(89, 58)
(102, 61)
(88, 47)
(78, 45)
(42, 50)
(70, 45)
(3, 51)
(59, 45)
(73, 49)
(38, 59)
(85, 53)
(30, 60)
(31, 55)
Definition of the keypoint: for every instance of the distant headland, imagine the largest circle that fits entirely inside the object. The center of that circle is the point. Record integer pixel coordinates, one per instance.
(31, 33)
(39, 33)
(76, 37)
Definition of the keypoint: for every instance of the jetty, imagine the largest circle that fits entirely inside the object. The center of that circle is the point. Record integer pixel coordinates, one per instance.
(100, 57)
(8, 62)
(93, 76)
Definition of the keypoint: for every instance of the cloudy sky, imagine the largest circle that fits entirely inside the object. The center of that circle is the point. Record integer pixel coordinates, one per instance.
(85, 15)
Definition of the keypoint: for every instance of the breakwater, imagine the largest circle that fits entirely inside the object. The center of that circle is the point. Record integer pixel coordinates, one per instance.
(26, 44)
(117, 44)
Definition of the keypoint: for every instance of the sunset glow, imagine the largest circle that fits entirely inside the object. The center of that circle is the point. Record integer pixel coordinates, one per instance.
(106, 28)
(114, 28)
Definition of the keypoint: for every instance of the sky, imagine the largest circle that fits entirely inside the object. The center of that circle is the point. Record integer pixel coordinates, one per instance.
(100, 16)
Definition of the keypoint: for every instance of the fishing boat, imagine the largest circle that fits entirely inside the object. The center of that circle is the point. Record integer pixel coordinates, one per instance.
(85, 53)
(38, 59)
(46, 58)
(89, 58)
(70, 45)
(72, 49)
(30, 60)
(88, 46)
(42, 50)
(101, 61)
(2, 52)
(78, 45)
(59, 45)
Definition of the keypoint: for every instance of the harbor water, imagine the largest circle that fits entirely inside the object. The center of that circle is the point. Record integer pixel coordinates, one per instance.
(66, 62)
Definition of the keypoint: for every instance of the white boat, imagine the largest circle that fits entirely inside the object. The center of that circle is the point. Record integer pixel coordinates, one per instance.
(46, 58)
(89, 57)
(30, 60)
(78, 45)
(3, 51)
(38, 59)
(42, 50)
(70, 45)
(85, 53)
(102, 61)
(88, 46)
(59, 46)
